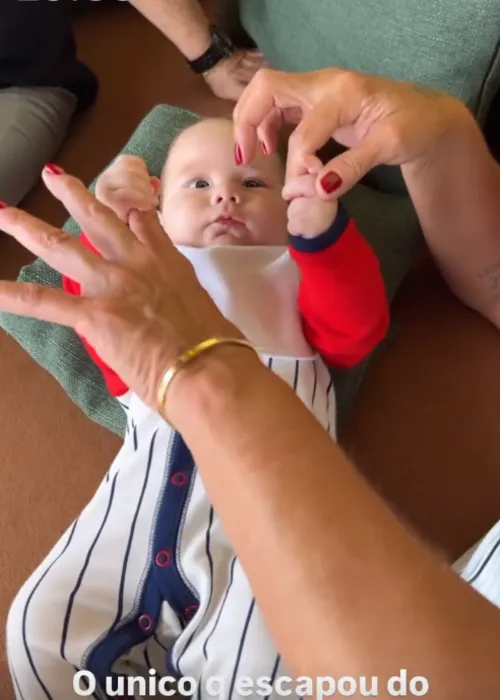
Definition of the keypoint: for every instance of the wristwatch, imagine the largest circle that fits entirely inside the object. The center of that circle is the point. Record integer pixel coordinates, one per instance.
(220, 47)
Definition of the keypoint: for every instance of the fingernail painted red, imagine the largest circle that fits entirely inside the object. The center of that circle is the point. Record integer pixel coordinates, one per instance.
(3, 205)
(331, 182)
(264, 148)
(54, 169)
(238, 156)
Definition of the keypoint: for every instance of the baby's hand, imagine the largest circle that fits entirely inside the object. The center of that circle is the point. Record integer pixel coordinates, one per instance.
(127, 185)
(308, 215)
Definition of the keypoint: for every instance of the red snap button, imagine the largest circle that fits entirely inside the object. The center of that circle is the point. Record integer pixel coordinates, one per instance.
(145, 622)
(163, 558)
(190, 611)
(178, 479)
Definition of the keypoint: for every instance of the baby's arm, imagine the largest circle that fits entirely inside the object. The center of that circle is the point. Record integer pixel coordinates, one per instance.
(342, 296)
(114, 384)
(124, 186)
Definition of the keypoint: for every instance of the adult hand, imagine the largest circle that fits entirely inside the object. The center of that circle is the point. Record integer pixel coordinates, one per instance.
(229, 78)
(381, 121)
(143, 304)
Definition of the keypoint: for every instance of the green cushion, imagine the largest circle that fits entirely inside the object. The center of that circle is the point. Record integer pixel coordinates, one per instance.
(387, 221)
(450, 44)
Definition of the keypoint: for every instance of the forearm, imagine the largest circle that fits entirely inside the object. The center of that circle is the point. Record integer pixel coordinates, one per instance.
(456, 192)
(181, 21)
(342, 297)
(344, 588)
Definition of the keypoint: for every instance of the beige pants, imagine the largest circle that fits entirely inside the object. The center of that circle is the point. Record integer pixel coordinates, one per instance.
(33, 124)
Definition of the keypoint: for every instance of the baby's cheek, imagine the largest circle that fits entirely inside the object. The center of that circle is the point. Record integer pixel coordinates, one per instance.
(181, 221)
(172, 229)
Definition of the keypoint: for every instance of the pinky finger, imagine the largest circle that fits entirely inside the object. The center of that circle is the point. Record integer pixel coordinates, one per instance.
(43, 303)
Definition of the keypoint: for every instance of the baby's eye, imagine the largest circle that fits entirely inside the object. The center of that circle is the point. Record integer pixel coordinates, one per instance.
(198, 183)
(253, 182)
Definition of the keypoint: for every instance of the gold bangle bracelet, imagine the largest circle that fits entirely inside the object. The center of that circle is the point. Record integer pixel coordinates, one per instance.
(186, 358)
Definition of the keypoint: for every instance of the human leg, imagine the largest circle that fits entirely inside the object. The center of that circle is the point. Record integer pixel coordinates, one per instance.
(33, 124)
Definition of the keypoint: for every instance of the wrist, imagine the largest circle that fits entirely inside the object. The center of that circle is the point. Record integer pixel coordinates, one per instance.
(219, 48)
(326, 218)
(213, 383)
(459, 128)
(330, 234)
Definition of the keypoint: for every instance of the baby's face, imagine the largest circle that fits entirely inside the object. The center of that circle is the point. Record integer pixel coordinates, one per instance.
(209, 200)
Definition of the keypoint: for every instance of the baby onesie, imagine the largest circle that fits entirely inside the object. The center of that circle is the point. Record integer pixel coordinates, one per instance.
(145, 585)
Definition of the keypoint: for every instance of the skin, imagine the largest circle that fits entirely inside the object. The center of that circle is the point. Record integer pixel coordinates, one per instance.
(202, 183)
(186, 25)
(369, 598)
(374, 598)
(206, 198)
(451, 177)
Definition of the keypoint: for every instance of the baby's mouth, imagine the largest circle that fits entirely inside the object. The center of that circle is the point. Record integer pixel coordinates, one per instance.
(227, 220)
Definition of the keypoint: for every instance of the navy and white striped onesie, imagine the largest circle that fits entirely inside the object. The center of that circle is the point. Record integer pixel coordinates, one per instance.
(145, 580)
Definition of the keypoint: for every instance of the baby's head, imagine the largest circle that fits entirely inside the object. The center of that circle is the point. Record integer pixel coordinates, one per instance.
(207, 199)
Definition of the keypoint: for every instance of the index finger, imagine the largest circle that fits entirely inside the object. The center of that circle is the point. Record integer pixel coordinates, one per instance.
(112, 238)
(256, 103)
(312, 133)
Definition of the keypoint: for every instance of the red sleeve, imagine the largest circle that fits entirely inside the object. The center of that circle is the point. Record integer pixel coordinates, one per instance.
(342, 296)
(115, 385)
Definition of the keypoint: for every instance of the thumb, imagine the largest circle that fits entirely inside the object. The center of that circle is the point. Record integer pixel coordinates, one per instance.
(344, 171)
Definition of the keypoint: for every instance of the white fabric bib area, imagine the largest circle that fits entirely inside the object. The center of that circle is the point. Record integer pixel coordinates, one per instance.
(256, 288)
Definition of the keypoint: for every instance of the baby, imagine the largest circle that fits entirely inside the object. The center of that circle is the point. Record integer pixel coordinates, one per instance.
(145, 587)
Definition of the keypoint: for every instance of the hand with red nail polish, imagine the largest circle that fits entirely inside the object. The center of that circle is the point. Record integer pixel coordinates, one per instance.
(379, 120)
(133, 279)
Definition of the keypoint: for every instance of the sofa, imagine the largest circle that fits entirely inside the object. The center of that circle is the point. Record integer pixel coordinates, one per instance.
(423, 427)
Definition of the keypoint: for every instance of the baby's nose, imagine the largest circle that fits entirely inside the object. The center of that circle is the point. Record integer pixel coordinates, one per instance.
(227, 194)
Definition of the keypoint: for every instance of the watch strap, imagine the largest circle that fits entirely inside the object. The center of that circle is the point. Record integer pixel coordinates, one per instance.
(221, 47)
